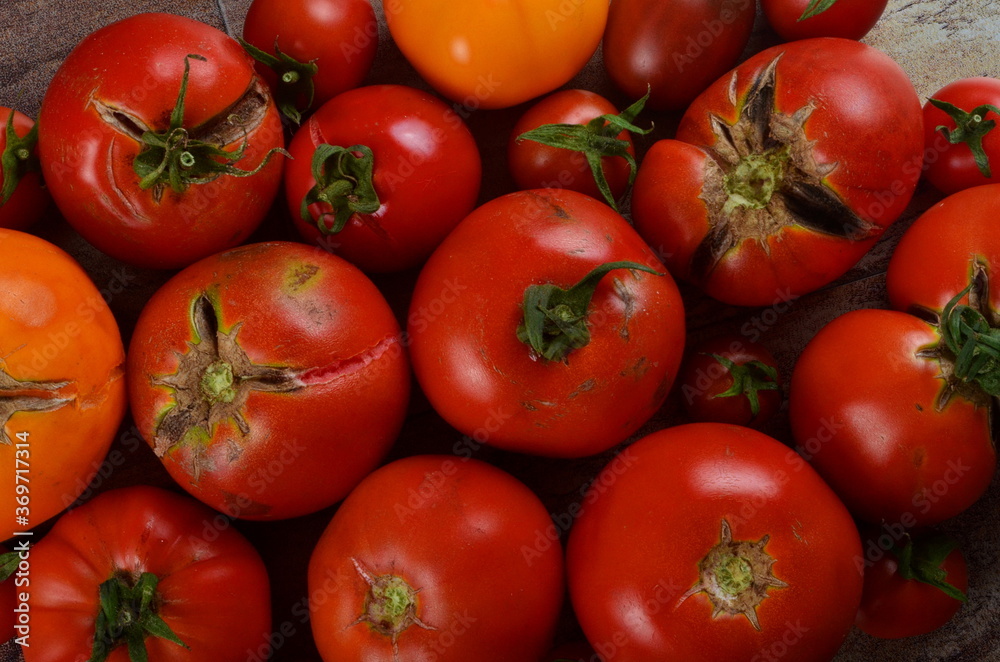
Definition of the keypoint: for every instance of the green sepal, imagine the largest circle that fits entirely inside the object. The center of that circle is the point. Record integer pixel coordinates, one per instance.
(8, 564)
(748, 379)
(970, 128)
(975, 344)
(127, 616)
(815, 8)
(18, 158)
(295, 79)
(922, 560)
(343, 181)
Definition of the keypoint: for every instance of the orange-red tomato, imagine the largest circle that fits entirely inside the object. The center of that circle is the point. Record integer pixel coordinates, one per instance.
(28, 199)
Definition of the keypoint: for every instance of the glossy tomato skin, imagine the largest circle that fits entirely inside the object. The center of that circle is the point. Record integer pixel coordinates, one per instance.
(677, 49)
(494, 55)
(655, 513)
(427, 173)
(339, 36)
(62, 378)
(952, 168)
(107, 90)
(30, 199)
(848, 19)
(467, 307)
(213, 591)
(465, 535)
(876, 435)
(318, 351)
(534, 165)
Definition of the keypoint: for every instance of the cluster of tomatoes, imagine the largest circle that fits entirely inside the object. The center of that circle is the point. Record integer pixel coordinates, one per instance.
(272, 379)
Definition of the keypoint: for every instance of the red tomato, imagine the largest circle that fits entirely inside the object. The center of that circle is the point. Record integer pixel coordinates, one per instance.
(314, 49)
(677, 49)
(969, 118)
(62, 386)
(913, 589)
(731, 380)
(396, 204)
(177, 202)
(774, 186)
(872, 410)
(493, 362)
(850, 19)
(209, 586)
(436, 558)
(9, 590)
(268, 379)
(23, 198)
(703, 542)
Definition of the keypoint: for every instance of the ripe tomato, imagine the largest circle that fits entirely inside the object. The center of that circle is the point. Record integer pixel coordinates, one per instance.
(877, 407)
(268, 379)
(511, 349)
(676, 49)
(134, 561)
(380, 175)
(309, 51)
(436, 558)
(774, 186)
(913, 589)
(62, 387)
(23, 198)
(730, 380)
(157, 149)
(962, 144)
(849, 19)
(485, 54)
(9, 590)
(703, 542)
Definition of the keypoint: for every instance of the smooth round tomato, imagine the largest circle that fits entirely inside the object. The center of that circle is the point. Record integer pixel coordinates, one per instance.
(849, 19)
(485, 54)
(708, 542)
(436, 558)
(537, 165)
(388, 208)
(62, 386)
(876, 406)
(910, 592)
(776, 185)
(317, 48)
(675, 50)
(969, 118)
(730, 379)
(143, 554)
(537, 326)
(23, 197)
(268, 379)
(148, 145)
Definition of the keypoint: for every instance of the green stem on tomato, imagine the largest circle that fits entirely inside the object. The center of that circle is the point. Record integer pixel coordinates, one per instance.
(922, 560)
(343, 177)
(748, 379)
(127, 616)
(816, 7)
(970, 128)
(295, 79)
(18, 158)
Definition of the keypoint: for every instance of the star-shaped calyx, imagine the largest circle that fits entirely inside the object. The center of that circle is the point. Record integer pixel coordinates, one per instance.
(390, 606)
(24, 396)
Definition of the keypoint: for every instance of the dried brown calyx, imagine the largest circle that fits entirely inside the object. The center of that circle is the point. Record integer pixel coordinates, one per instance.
(390, 606)
(25, 396)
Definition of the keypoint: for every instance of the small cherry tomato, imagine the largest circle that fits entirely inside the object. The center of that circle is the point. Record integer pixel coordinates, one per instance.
(23, 197)
(962, 142)
(802, 19)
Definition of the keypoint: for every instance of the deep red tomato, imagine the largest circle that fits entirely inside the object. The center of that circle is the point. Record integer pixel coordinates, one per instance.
(968, 117)
(436, 558)
(914, 588)
(268, 379)
(140, 558)
(387, 208)
(520, 341)
(730, 380)
(850, 19)
(775, 186)
(677, 49)
(62, 386)
(703, 542)
(534, 164)
(876, 407)
(23, 198)
(147, 151)
(313, 49)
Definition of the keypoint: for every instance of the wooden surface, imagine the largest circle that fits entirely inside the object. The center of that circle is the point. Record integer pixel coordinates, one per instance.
(936, 41)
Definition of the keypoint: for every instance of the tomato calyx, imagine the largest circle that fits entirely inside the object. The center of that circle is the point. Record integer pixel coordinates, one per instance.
(555, 319)
(970, 128)
(390, 606)
(18, 158)
(735, 575)
(815, 8)
(343, 178)
(22, 396)
(295, 79)
(922, 561)
(8, 564)
(596, 140)
(128, 615)
(748, 380)
(763, 177)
